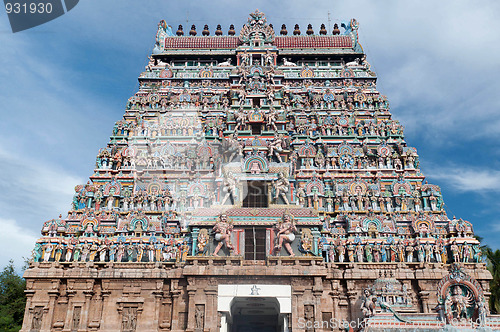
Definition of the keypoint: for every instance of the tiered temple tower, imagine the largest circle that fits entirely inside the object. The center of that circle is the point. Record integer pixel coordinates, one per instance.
(257, 182)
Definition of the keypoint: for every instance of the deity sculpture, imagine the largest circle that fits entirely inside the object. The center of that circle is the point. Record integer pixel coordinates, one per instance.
(150, 248)
(466, 252)
(285, 229)
(102, 251)
(120, 252)
(341, 251)
(420, 253)
(281, 188)
(48, 251)
(301, 196)
(306, 242)
(368, 303)
(350, 252)
(85, 251)
(359, 253)
(229, 188)
(112, 252)
(201, 246)
(140, 250)
(36, 253)
(455, 252)
(456, 304)
(58, 252)
(409, 253)
(223, 229)
(369, 252)
(92, 252)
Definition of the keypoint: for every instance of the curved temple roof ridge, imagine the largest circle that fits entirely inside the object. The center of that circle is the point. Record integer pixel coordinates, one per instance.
(257, 27)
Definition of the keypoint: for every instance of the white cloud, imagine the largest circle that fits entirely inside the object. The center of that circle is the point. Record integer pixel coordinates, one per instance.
(495, 226)
(467, 179)
(32, 191)
(16, 243)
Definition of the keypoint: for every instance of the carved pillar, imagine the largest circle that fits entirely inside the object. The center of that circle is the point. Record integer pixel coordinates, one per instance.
(165, 318)
(191, 290)
(223, 323)
(309, 317)
(424, 297)
(60, 312)
(69, 316)
(194, 236)
(317, 293)
(158, 294)
(95, 312)
(49, 311)
(316, 235)
(286, 323)
(426, 203)
(352, 296)
(86, 308)
(104, 305)
(27, 321)
(176, 298)
(297, 308)
(335, 299)
(211, 316)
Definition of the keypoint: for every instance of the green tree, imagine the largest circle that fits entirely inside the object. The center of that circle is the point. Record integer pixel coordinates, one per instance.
(494, 267)
(12, 299)
(493, 264)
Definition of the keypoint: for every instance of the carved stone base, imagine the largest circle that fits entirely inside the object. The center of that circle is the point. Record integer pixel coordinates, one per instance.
(158, 297)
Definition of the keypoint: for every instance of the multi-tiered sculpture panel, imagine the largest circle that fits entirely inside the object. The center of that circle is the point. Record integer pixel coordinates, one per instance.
(267, 148)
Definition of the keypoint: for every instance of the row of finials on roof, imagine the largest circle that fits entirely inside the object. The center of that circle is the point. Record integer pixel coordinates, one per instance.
(283, 31)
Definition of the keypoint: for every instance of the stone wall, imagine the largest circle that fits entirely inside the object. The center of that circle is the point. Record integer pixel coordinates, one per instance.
(167, 297)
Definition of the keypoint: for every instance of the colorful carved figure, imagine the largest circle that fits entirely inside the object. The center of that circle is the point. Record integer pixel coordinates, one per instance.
(229, 188)
(359, 253)
(36, 253)
(306, 242)
(455, 252)
(457, 303)
(368, 303)
(350, 252)
(201, 246)
(281, 188)
(285, 230)
(223, 229)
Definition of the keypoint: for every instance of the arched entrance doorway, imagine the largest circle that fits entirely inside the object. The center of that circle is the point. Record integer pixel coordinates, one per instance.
(255, 314)
(254, 307)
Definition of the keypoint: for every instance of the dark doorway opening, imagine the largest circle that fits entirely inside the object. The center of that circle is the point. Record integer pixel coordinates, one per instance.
(255, 243)
(256, 128)
(256, 195)
(255, 314)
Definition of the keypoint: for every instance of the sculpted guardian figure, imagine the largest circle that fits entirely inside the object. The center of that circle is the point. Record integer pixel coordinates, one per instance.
(285, 229)
(223, 229)
(281, 187)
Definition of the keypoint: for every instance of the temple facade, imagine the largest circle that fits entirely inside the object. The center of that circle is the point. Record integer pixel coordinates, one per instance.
(257, 182)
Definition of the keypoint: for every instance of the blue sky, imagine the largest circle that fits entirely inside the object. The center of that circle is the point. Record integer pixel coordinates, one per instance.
(65, 83)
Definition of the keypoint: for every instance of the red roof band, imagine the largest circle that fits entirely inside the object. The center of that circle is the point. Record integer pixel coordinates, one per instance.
(230, 42)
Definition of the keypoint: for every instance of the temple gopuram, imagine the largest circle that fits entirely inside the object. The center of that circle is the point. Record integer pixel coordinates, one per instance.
(257, 182)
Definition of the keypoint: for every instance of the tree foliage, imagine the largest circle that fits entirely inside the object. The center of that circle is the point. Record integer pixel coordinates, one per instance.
(494, 267)
(493, 264)
(12, 299)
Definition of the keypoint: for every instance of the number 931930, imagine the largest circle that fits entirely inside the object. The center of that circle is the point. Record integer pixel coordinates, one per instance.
(28, 8)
